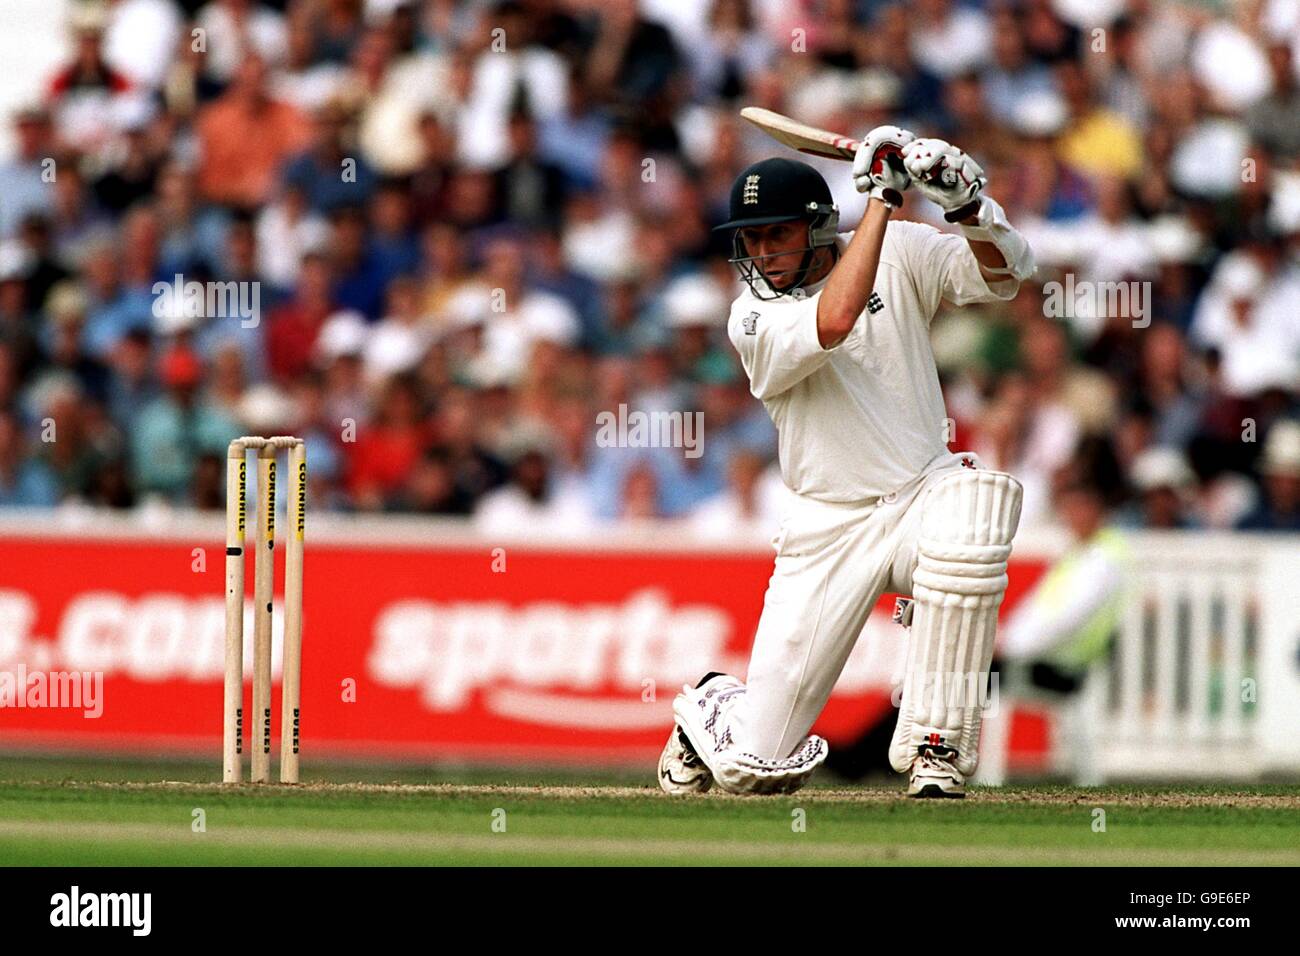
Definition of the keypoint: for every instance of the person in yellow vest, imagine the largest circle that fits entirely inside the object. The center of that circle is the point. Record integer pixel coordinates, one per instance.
(1059, 631)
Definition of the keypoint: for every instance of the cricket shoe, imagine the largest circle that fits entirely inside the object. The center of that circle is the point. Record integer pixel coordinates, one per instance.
(703, 713)
(934, 776)
(680, 769)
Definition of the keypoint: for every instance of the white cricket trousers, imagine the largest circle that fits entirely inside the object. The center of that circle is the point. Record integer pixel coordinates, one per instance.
(833, 562)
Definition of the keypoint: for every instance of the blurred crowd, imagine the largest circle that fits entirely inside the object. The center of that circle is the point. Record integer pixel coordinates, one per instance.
(474, 226)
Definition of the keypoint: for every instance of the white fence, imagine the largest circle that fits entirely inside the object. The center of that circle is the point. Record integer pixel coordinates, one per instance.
(1204, 678)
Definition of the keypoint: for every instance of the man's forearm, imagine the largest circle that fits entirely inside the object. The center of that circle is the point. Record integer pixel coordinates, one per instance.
(853, 277)
(988, 256)
(1000, 250)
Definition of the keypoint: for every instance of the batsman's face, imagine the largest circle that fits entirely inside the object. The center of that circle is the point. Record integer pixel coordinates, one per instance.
(780, 248)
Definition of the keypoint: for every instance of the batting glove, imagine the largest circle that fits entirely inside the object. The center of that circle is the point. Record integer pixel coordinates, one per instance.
(944, 174)
(878, 168)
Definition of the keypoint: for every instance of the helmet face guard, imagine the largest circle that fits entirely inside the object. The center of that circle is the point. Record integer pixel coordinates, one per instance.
(823, 218)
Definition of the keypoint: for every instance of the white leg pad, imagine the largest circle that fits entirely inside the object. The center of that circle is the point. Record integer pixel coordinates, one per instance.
(967, 522)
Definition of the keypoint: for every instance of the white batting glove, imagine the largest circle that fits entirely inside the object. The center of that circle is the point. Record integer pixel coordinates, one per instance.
(878, 168)
(943, 173)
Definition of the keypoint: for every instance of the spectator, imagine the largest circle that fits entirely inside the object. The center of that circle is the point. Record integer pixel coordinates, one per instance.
(1248, 316)
(495, 75)
(398, 343)
(330, 176)
(1013, 77)
(1272, 118)
(431, 488)
(1166, 487)
(65, 355)
(175, 429)
(287, 231)
(950, 38)
(1279, 508)
(530, 188)
(25, 178)
(1099, 141)
(244, 137)
(389, 448)
(82, 94)
(238, 31)
(25, 481)
(18, 332)
(745, 510)
(531, 501)
(293, 328)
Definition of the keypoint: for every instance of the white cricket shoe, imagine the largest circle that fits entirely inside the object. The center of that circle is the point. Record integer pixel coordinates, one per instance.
(934, 776)
(703, 713)
(680, 768)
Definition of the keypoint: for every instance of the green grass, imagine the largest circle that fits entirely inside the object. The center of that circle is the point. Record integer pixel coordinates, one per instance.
(61, 812)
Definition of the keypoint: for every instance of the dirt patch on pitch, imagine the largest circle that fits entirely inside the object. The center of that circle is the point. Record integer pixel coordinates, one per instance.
(1064, 796)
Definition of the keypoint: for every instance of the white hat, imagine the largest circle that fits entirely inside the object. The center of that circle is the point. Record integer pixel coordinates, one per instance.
(469, 306)
(550, 319)
(821, 95)
(173, 314)
(1284, 203)
(1162, 468)
(1040, 114)
(16, 260)
(343, 334)
(1239, 276)
(1086, 14)
(1174, 239)
(524, 438)
(487, 371)
(874, 88)
(1282, 449)
(393, 349)
(266, 409)
(603, 249)
(695, 300)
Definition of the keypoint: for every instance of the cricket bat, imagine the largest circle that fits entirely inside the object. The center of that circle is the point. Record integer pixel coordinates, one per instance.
(810, 139)
(801, 136)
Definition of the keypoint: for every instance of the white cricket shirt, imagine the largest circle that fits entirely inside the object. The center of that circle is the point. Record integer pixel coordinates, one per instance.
(862, 419)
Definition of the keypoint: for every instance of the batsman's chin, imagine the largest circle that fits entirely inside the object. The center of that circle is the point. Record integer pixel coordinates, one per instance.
(576, 712)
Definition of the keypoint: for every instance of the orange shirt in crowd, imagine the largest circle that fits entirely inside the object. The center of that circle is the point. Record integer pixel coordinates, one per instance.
(243, 147)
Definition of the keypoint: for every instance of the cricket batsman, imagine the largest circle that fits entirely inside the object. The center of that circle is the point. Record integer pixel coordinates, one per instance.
(833, 333)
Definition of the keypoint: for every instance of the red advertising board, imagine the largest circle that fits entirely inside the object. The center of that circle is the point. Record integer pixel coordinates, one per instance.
(418, 645)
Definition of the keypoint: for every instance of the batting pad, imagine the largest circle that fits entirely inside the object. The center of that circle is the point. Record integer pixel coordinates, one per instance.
(967, 522)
